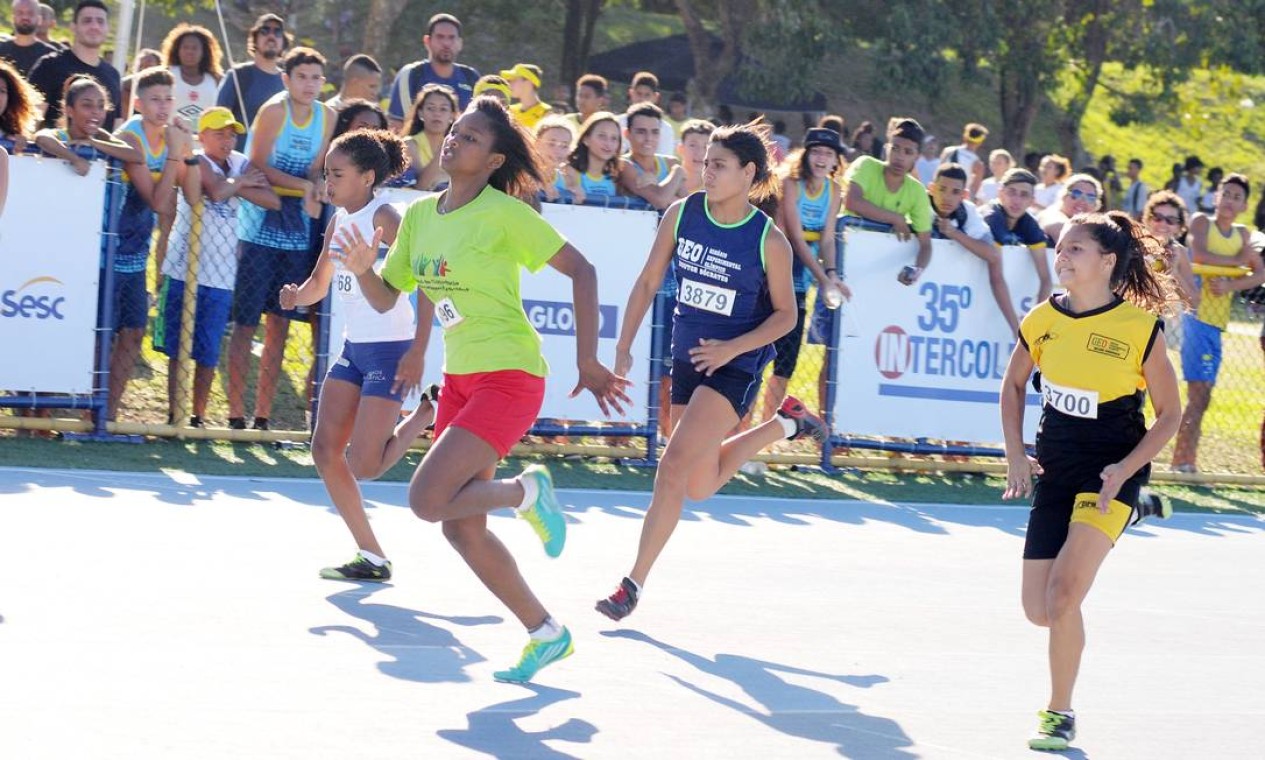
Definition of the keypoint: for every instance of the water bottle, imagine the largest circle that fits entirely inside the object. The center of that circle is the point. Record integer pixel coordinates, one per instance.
(833, 296)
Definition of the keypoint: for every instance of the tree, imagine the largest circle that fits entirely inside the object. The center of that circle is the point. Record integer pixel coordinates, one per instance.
(709, 69)
(577, 37)
(382, 17)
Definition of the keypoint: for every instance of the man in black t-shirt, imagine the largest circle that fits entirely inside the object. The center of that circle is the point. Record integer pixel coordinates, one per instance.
(91, 26)
(24, 49)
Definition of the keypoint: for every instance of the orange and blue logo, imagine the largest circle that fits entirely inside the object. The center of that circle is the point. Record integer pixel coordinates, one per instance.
(32, 300)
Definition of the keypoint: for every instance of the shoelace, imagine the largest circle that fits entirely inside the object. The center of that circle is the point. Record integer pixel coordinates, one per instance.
(1051, 722)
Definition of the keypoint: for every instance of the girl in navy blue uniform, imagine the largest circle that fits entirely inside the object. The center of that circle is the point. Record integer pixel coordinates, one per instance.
(735, 298)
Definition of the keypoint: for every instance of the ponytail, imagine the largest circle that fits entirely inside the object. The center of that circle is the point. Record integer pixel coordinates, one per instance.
(1133, 278)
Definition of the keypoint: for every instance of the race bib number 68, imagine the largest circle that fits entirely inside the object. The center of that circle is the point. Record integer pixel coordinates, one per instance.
(711, 298)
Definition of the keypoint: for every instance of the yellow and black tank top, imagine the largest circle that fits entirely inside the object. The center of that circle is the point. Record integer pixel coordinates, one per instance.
(1215, 309)
(1090, 367)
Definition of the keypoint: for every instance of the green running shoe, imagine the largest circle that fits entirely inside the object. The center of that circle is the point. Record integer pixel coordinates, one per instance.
(1055, 731)
(359, 569)
(545, 515)
(536, 655)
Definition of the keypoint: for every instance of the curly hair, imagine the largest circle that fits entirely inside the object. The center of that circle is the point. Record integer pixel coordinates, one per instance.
(210, 63)
(19, 115)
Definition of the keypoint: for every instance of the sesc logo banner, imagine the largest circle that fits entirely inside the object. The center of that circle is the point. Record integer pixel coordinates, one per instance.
(38, 298)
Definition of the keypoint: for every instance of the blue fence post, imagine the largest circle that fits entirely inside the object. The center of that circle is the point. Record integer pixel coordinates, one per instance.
(832, 360)
(657, 326)
(105, 306)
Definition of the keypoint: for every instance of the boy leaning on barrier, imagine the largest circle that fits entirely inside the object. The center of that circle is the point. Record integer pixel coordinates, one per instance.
(1011, 224)
(1215, 241)
(887, 192)
(958, 220)
(217, 176)
(149, 190)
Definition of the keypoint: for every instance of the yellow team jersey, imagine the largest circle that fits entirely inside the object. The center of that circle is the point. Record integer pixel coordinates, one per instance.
(529, 117)
(1090, 363)
(1214, 309)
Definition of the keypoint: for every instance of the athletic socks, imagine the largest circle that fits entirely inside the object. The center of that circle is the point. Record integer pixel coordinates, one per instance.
(789, 426)
(373, 559)
(530, 491)
(546, 631)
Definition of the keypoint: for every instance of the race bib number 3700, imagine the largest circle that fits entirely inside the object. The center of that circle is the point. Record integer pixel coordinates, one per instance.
(711, 298)
(1070, 401)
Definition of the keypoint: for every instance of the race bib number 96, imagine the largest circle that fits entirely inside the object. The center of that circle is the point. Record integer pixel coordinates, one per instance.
(711, 298)
(447, 314)
(1070, 401)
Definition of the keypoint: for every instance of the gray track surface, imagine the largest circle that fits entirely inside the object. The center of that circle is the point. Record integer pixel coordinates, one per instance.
(182, 617)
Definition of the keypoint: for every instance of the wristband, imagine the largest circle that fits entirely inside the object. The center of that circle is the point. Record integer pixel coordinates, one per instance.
(191, 161)
(831, 269)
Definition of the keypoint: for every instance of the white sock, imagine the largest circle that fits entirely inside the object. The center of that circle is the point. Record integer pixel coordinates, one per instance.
(635, 584)
(546, 631)
(789, 426)
(374, 559)
(1068, 713)
(530, 491)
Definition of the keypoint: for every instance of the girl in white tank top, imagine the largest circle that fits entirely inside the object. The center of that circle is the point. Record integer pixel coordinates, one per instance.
(359, 433)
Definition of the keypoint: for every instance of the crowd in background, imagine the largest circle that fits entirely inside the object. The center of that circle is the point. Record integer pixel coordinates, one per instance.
(249, 143)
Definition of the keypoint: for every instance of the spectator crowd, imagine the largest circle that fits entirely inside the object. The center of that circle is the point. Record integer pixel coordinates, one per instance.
(248, 144)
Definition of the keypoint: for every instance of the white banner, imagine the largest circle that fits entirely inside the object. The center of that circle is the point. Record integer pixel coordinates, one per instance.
(48, 283)
(617, 243)
(927, 360)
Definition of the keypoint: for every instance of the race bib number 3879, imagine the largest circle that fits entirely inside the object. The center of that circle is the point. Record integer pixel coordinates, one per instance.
(1070, 401)
(711, 298)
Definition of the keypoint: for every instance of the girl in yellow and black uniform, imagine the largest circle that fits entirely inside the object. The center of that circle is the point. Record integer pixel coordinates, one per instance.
(1099, 349)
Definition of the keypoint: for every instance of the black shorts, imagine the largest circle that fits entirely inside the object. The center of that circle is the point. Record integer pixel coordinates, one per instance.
(261, 271)
(1054, 501)
(739, 387)
(788, 345)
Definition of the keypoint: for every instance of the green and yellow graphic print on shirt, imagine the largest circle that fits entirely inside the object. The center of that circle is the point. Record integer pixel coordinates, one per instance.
(467, 263)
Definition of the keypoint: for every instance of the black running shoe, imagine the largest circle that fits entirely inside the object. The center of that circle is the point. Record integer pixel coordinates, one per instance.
(1151, 505)
(620, 604)
(196, 422)
(236, 423)
(261, 423)
(359, 569)
(431, 393)
(806, 423)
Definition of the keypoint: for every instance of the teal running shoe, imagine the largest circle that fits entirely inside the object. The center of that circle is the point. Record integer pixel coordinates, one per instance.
(536, 655)
(1055, 732)
(545, 515)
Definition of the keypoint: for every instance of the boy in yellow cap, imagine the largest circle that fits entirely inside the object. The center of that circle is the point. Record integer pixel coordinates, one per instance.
(218, 176)
(524, 80)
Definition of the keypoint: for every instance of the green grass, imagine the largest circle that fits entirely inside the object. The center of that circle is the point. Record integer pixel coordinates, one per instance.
(248, 460)
(1209, 118)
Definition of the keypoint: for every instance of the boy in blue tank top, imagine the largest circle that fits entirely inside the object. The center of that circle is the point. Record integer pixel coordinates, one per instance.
(290, 135)
(735, 298)
(657, 178)
(150, 188)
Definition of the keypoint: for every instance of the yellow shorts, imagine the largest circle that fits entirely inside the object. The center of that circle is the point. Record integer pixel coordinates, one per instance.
(1085, 510)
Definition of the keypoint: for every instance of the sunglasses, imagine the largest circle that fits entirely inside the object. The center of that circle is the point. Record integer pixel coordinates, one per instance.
(1173, 220)
(1081, 195)
(275, 31)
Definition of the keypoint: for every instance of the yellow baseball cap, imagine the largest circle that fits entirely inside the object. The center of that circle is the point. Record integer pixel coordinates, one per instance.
(218, 118)
(524, 71)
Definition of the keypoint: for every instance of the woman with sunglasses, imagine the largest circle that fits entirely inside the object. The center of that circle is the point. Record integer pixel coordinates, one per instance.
(1082, 195)
(1165, 217)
